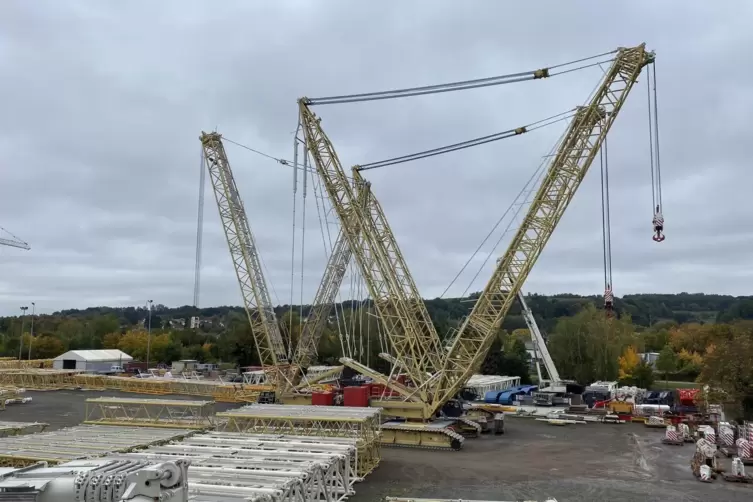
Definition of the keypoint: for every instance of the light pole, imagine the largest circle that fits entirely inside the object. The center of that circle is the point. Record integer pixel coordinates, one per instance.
(31, 331)
(21, 338)
(148, 333)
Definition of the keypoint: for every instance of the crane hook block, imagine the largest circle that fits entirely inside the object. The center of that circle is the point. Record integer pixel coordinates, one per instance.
(520, 130)
(542, 73)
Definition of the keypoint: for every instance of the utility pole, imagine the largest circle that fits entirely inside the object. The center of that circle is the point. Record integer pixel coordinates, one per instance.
(21, 338)
(31, 332)
(148, 333)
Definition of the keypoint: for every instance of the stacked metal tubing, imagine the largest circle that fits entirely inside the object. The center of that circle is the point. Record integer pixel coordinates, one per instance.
(231, 467)
(49, 379)
(361, 424)
(83, 441)
(169, 413)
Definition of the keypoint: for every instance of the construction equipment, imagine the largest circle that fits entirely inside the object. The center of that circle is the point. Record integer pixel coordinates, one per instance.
(438, 374)
(14, 241)
(240, 240)
(98, 480)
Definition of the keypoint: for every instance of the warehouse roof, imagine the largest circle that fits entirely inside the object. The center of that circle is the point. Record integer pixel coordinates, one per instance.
(95, 355)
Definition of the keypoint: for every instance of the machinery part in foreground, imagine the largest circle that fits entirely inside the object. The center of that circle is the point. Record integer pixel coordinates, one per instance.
(246, 260)
(98, 480)
(407, 499)
(437, 435)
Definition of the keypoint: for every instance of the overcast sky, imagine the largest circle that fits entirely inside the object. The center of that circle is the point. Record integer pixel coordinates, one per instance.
(103, 103)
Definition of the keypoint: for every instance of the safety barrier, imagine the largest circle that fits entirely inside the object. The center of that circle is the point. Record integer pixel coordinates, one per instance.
(150, 412)
(362, 424)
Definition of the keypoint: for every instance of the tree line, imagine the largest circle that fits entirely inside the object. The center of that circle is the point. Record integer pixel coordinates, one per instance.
(698, 337)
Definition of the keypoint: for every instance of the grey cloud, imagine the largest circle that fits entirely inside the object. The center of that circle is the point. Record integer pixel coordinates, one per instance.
(103, 103)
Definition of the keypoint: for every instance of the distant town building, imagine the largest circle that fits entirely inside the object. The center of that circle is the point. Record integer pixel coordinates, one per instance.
(649, 357)
(177, 323)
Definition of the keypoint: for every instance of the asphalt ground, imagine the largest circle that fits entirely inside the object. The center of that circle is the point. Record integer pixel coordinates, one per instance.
(532, 461)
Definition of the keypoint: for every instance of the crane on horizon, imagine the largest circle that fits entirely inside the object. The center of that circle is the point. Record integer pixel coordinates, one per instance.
(14, 241)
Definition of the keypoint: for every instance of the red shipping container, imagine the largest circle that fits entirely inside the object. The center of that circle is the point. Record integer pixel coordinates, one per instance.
(356, 396)
(322, 398)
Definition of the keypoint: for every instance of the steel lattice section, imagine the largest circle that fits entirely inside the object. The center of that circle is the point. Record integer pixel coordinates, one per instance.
(167, 413)
(240, 240)
(360, 424)
(376, 265)
(565, 174)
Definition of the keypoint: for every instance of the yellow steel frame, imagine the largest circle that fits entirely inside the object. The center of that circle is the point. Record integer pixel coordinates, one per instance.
(177, 414)
(413, 339)
(366, 430)
(240, 240)
(326, 294)
(395, 296)
(577, 151)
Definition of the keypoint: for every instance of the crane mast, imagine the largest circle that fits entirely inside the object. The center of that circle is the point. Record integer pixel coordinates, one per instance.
(565, 174)
(243, 251)
(396, 298)
(539, 343)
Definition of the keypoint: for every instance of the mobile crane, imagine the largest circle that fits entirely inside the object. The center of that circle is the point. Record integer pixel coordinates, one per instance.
(432, 394)
(14, 241)
(240, 240)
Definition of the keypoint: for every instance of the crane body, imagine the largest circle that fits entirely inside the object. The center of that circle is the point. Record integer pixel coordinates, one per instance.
(325, 297)
(243, 251)
(565, 173)
(439, 373)
(396, 299)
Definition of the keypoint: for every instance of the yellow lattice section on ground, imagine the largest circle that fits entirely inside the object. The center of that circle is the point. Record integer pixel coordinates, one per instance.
(38, 379)
(83, 441)
(171, 413)
(363, 424)
(49, 379)
(10, 363)
(19, 428)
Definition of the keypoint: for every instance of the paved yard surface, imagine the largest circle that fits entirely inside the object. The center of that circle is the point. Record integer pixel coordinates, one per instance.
(534, 460)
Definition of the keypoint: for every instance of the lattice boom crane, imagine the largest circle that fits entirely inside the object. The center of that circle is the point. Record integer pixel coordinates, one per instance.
(577, 151)
(243, 251)
(395, 296)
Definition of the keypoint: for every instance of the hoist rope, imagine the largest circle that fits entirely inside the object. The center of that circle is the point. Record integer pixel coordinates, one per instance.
(656, 139)
(451, 86)
(292, 245)
(606, 228)
(199, 231)
(469, 143)
(651, 140)
(303, 232)
(533, 179)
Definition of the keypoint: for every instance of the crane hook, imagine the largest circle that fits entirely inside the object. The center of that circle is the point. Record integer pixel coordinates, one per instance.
(608, 300)
(658, 223)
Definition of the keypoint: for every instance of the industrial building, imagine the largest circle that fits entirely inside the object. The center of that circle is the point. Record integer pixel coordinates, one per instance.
(91, 360)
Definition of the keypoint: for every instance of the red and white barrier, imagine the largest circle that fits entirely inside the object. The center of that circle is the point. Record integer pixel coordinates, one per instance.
(743, 448)
(671, 434)
(726, 434)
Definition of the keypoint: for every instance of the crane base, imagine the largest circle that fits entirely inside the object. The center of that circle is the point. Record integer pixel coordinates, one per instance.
(434, 435)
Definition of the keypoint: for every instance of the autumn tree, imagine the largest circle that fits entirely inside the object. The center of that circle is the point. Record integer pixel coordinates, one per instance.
(666, 362)
(628, 361)
(728, 371)
(587, 346)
